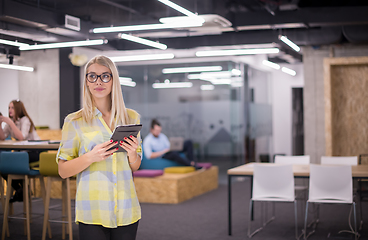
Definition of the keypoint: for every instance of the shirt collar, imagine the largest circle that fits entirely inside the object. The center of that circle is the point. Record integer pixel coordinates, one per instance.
(97, 112)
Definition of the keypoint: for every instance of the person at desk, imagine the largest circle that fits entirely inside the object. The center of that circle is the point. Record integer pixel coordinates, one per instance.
(156, 144)
(19, 126)
(106, 205)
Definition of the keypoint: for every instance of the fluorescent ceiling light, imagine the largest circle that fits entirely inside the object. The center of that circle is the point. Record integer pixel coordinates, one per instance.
(147, 27)
(143, 41)
(236, 72)
(15, 67)
(172, 85)
(237, 84)
(143, 57)
(64, 44)
(231, 52)
(221, 81)
(290, 43)
(288, 71)
(125, 81)
(207, 87)
(271, 64)
(178, 8)
(208, 76)
(191, 69)
(182, 19)
(12, 43)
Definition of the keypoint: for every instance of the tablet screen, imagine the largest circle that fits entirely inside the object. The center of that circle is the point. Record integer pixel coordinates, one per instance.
(121, 132)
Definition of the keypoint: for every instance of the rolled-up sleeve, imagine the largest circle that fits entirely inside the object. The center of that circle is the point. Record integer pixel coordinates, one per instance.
(70, 141)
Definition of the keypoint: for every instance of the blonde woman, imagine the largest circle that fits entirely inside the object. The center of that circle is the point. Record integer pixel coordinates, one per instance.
(106, 201)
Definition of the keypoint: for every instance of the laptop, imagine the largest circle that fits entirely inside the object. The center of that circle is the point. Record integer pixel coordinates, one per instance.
(176, 143)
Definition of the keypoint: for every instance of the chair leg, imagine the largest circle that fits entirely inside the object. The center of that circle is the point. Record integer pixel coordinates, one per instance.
(2, 193)
(296, 219)
(6, 210)
(69, 209)
(26, 179)
(43, 194)
(355, 224)
(46, 209)
(63, 209)
(305, 220)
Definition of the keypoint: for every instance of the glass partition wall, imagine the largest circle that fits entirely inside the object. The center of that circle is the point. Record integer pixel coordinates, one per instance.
(210, 106)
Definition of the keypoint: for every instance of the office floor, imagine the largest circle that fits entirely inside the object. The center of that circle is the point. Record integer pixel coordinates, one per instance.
(206, 217)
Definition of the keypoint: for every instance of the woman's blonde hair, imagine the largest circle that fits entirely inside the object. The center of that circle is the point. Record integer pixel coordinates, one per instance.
(118, 111)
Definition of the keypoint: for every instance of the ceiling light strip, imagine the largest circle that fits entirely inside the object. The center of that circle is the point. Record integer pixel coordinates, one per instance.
(143, 41)
(143, 57)
(125, 81)
(191, 69)
(288, 71)
(148, 27)
(290, 43)
(178, 8)
(271, 64)
(64, 44)
(232, 52)
(12, 43)
(15, 67)
(172, 85)
(207, 87)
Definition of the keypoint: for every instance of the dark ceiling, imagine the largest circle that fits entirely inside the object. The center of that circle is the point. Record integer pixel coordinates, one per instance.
(306, 22)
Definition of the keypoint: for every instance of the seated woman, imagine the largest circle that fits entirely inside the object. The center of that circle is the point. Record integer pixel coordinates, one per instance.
(19, 126)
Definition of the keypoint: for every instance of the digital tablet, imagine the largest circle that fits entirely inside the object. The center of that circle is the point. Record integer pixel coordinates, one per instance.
(121, 132)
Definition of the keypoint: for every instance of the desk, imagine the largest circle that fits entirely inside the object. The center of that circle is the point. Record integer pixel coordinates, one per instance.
(300, 171)
(25, 145)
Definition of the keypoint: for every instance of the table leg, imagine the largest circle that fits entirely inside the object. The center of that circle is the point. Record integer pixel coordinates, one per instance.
(229, 201)
(251, 191)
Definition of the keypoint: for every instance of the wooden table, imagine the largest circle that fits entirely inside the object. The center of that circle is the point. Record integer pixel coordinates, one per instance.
(29, 145)
(300, 171)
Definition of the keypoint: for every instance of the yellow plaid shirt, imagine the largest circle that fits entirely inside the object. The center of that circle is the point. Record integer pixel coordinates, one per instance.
(105, 190)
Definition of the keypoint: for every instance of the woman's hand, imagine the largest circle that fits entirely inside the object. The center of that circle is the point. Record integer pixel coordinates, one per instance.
(101, 151)
(130, 145)
(5, 119)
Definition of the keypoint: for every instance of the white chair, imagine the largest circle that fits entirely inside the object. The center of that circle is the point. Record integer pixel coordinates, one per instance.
(351, 161)
(330, 184)
(301, 189)
(302, 160)
(272, 183)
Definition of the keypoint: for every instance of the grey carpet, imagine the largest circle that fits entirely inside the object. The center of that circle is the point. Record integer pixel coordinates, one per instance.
(205, 217)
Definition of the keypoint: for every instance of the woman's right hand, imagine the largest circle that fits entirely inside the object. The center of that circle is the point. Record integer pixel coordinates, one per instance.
(5, 119)
(101, 151)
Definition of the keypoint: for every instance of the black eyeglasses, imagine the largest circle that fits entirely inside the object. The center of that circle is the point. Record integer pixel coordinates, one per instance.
(105, 77)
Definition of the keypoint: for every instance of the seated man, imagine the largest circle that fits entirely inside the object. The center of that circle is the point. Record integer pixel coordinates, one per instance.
(156, 144)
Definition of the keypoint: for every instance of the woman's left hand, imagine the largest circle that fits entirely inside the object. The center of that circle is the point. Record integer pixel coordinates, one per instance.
(130, 145)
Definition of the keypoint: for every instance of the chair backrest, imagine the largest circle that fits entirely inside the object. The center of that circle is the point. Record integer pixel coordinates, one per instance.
(14, 163)
(48, 165)
(305, 159)
(273, 182)
(363, 159)
(351, 161)
(328, 183)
